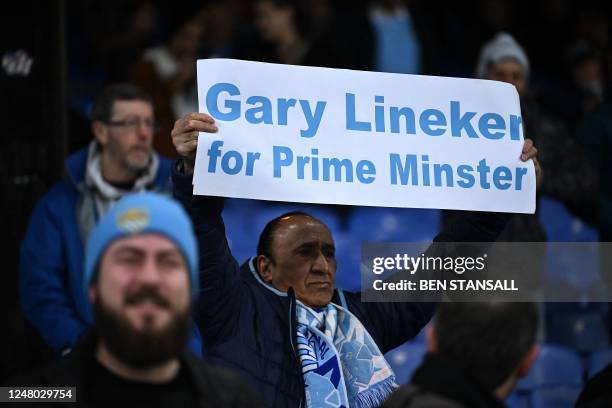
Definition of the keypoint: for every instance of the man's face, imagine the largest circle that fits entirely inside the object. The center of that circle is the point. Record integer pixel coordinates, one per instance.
(186, 42)
(510, 71)
(142, 299)
(272, 21)
(128, 137)
(304, 258)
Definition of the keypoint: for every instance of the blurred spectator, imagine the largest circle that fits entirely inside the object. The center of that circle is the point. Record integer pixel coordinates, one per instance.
(137, 33)
(587, 74)
(324, 33)
(340, 33)
(568, 176)
(581, 89)
(594, 134)
(398, 48)
(141, 274)
(220, 20)
(119, 160)
(103, 39)
(277, 23)
(544, 27)
(476, 354)
(168, 73)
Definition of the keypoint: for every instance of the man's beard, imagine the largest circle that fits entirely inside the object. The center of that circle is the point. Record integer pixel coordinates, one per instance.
(137, 166)
(123, 156)
(141, 348)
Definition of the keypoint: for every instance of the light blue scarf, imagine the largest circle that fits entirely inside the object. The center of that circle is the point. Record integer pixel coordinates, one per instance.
(341, 363)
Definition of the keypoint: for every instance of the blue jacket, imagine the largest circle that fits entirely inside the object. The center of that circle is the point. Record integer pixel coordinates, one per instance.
(52, 259)
(250, 327)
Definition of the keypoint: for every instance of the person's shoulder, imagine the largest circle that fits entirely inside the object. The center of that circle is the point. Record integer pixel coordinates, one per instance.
(62, 189)
(58, 198)
(53, 373)
(221, 384)
(210, 373)
(413, 396)
(66, 188)
(597, 390)
(164, 162)
(164, 171)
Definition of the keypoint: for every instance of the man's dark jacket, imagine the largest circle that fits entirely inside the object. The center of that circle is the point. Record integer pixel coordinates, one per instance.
(441, 383)
(597, 392)
(214, 386)
(250, 327)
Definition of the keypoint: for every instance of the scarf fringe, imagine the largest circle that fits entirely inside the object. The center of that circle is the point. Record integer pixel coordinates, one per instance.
(375, 396)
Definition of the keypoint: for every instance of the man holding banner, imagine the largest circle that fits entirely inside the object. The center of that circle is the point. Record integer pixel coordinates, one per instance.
(279, 319)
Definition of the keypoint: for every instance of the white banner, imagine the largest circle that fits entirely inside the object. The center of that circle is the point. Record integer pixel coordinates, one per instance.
(334, 136)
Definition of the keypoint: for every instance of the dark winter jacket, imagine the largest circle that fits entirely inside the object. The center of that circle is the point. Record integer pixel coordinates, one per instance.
(441, 384)
(214, 386)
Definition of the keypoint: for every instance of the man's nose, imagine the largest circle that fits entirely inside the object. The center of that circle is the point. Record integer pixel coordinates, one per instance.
(145, 130)
(321, 264)
(148, 273)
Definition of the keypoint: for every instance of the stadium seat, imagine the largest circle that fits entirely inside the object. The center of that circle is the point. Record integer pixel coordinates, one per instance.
(584, 331)
(348, 259)
(574, 269)
(570, 269)
(555, 380)
(394, 224)
(598, 361)
(405, 359)
(242, 240)
(518, 400)
(560, 225)
(329, 214)
(555, 366)
(557, 397)
(243, 245)
(243, 210)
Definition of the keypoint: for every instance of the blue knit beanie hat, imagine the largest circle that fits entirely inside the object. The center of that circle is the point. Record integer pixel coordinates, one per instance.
(142, 213)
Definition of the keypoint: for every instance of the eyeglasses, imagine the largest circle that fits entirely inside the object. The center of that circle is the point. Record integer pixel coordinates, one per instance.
(133, 125)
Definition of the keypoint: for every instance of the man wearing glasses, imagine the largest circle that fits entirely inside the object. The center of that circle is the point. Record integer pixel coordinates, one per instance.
(119, 160)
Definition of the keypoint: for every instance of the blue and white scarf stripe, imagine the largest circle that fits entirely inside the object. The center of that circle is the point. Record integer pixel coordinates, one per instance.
(307, 354)
(341, 364)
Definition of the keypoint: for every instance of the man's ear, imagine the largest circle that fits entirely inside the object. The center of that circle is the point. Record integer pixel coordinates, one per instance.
(431, 338)
(527, 361)
(264, 267)
(100, 132)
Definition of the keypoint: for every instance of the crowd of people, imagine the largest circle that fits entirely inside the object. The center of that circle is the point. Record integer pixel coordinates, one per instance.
(129, 279)
(562, 72)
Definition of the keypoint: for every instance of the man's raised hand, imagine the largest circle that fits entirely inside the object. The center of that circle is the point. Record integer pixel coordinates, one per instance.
(185, 136)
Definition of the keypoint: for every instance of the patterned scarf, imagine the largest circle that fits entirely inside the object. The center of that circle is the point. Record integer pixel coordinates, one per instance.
(341, 363)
